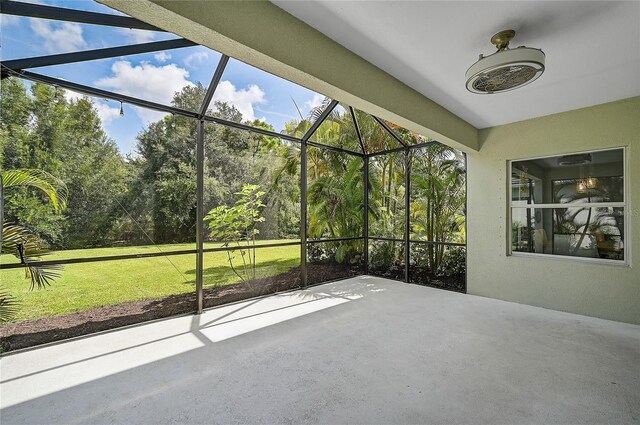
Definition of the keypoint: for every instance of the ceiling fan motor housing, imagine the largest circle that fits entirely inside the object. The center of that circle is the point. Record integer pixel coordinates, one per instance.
(506, 69)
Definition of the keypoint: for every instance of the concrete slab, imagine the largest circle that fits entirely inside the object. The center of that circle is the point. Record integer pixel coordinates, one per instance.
(363, 350)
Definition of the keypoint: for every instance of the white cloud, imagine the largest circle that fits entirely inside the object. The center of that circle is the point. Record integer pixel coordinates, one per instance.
(162, 56)
(195, 58)
(137, 36)
(315, 101)
(278, 114)
(8, 20)
(59, 37)
(243, 99)
(146, 81)
(72, 96)
(106, 112)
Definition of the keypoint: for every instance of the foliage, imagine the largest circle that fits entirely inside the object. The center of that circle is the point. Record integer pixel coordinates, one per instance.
(18, 240)
(453, 263)
(42, 130)
(386, 254)
(437, 199)
(236, 226)
(8, 306)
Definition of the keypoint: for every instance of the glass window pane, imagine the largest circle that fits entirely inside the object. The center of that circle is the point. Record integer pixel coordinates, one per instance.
(376, 138)
(575, 231)
(386, 258)
(439, 266)
(327, 261)
(338, 130)
(335, 193)
(261, 99)
(572, 178)
(387, 195)
(438, 194)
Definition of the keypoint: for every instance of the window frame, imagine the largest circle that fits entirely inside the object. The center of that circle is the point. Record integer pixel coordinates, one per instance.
(626, 262)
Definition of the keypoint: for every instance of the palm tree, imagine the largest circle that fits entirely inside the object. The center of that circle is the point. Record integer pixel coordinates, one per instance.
(18, 240)
(437, 210)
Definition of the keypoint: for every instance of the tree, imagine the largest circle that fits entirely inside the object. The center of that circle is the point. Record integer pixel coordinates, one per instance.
(236, 226)
(45, 131)
(438, 199)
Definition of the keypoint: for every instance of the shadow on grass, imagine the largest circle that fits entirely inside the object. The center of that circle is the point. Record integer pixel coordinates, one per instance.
(223, 275)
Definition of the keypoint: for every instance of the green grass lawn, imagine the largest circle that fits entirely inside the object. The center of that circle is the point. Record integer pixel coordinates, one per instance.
(86, 285)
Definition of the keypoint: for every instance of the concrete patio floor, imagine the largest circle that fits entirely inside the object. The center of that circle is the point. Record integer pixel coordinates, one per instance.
(362, 350)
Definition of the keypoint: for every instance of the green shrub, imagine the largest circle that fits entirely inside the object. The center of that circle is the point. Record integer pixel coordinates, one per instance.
(454, 263)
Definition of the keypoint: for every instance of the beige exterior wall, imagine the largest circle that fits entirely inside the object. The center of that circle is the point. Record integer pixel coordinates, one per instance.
(601, 290)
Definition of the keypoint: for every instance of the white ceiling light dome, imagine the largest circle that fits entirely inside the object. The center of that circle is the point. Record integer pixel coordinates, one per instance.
(507, 69)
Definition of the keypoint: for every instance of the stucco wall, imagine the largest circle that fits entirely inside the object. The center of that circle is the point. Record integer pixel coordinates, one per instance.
(601, 290)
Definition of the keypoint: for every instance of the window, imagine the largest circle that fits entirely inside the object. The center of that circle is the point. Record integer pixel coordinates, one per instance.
(570, 205)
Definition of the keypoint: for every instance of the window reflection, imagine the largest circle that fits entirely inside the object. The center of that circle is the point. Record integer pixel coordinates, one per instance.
(575, 178)
(580, 198)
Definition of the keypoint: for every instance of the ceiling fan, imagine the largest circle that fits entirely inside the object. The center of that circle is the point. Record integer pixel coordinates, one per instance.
(506, 69)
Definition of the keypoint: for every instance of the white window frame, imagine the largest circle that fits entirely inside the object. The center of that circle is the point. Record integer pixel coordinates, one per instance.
(624, 205)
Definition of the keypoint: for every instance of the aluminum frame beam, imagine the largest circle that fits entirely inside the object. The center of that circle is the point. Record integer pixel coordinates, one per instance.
(145, 255)
(418, 241)
(366, 214)
(382, 238)
(73, 15)
(200, 216)
(323, 116)
(407, 216)
(89, 55)
(215, 80)
(390, 131)
(92, 91)
(303, 214)
(352, 238)
(357, 126)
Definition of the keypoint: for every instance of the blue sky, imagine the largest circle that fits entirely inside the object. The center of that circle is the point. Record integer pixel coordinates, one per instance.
(151, 76)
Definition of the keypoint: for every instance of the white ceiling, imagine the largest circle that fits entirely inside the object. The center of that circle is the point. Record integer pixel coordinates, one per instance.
(592, 49)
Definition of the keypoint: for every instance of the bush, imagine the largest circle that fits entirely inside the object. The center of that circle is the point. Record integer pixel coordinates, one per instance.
(454, 263)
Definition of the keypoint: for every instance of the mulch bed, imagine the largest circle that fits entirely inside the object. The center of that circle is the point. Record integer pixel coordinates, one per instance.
(325, 272)
(422, 276)
(14, 336)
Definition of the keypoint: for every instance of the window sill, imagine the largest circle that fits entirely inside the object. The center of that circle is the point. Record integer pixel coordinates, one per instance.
(615, 263)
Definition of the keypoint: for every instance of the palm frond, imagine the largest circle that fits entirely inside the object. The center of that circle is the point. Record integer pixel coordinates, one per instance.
(315, 113)
(28, 248)
(8, 306)
(52, 187)
(41, 275)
